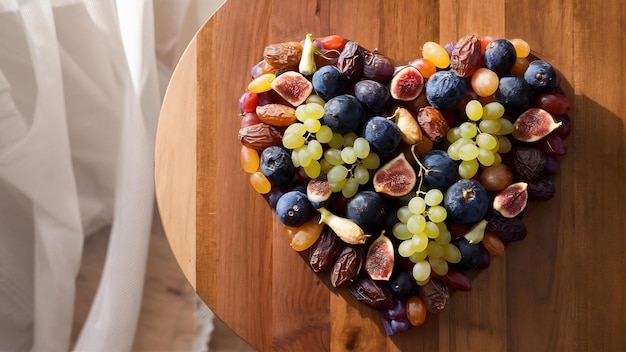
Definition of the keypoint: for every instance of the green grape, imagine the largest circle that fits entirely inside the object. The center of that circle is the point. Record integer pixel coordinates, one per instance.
(361, 147)
(486, 157)
(451, 253)
(348, 156)
(337, 141)
(493, 111)
(468, 130)
(301, 114)
(504, 144)
(420, 240)
(454, 134)
(444, 236)
(405, 248)
(333, 156)
(293, 141)
(468, 168)
(421, 270)
(497, 159)
(417, 205)
(303, 156)
(437, 213)
(315, 149)
(438, 265)
(325, 166)
(337, 186)
(416, 223)
(337, 174)
(487, 141)
(350, 188)
(434, 250)
(361, 174)
(324, 134)
(294, 159)
(349, 138)
(295, 128)
(401, 232)
(403, 213)
(315, 99)
(431, 230)
(489, 126)
(312, 125)
(418, 256)
(433, 197)
(474, 110)
(314, 111)
(506, 126)
(468, 152)
(371, 162)
(314, 169)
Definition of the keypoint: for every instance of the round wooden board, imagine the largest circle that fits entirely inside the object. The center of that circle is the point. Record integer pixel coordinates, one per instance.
(561, 288)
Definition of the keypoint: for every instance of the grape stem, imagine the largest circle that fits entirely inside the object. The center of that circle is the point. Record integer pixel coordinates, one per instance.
(420, 174)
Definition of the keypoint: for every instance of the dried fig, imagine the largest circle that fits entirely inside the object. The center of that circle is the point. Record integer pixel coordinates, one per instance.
(377, 66)
(507, 229)
(529, 162)
(541, 189)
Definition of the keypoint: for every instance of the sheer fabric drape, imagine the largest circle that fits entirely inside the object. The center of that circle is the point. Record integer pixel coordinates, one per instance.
(81, 83)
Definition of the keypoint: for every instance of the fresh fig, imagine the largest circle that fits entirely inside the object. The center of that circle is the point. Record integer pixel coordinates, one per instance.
(466, 201)
(293, 87)
(396, 178)
(534, 124)
(512, 200)
(379, 260)
(406, 84)
(377, 66)
(410, 130)
(318, 190)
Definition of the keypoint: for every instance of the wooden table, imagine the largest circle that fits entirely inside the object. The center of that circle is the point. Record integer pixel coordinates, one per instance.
(561, 289)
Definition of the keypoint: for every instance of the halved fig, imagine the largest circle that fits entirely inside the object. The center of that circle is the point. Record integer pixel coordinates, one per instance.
(512, 200)
(379, 260)
(406, 84)
(293, 87)
(318, 190)
(396, 178)
(534, 124)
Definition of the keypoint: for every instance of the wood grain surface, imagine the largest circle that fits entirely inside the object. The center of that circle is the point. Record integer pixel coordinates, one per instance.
(561, 289)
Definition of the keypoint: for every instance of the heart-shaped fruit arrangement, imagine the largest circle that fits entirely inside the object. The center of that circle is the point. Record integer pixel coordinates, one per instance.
(401, 179)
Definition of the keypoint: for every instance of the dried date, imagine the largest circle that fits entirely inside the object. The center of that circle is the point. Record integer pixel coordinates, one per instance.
(325, 251)
(507, 229)
(351, 61)
(435, 295)
(372, 294)
(348, 266)
(283, 56)
(433, 123)
(260, 136)
(465, 58)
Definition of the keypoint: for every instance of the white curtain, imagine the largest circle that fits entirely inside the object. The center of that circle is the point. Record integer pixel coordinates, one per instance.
(81, 83)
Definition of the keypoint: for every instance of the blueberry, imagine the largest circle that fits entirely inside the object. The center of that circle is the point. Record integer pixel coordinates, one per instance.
(383, 135)
(373, 95)
(441, 169)
(471, 254)
(368, 210)
(514, 94)
(277, 166)
(294, 209)
(500, 56)
(466, 201)
(343, 113)
(328, 82)
(445, 89)
(540, 76)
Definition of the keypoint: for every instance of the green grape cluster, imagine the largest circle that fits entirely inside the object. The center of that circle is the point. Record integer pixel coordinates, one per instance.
(347, 163)
(424, 235)
(481, 139)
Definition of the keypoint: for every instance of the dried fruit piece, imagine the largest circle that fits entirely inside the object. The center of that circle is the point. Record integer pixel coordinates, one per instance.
(351, 60)
(371, 293)
(455, 279)
(534, 124)
(377, 66)
(396, 178)
(433, 123)
(435, 295)
(380, 259)
(276, 114)
(410, 130)
(465, 58)
(541, 189)
(507, 229)
(260, 136)
(304, 236)
(512, 200)
(347, 267)
(283, 56)
(529, 162)
(406, 84)
(325, 251)
(293, 87)
(347, 230)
